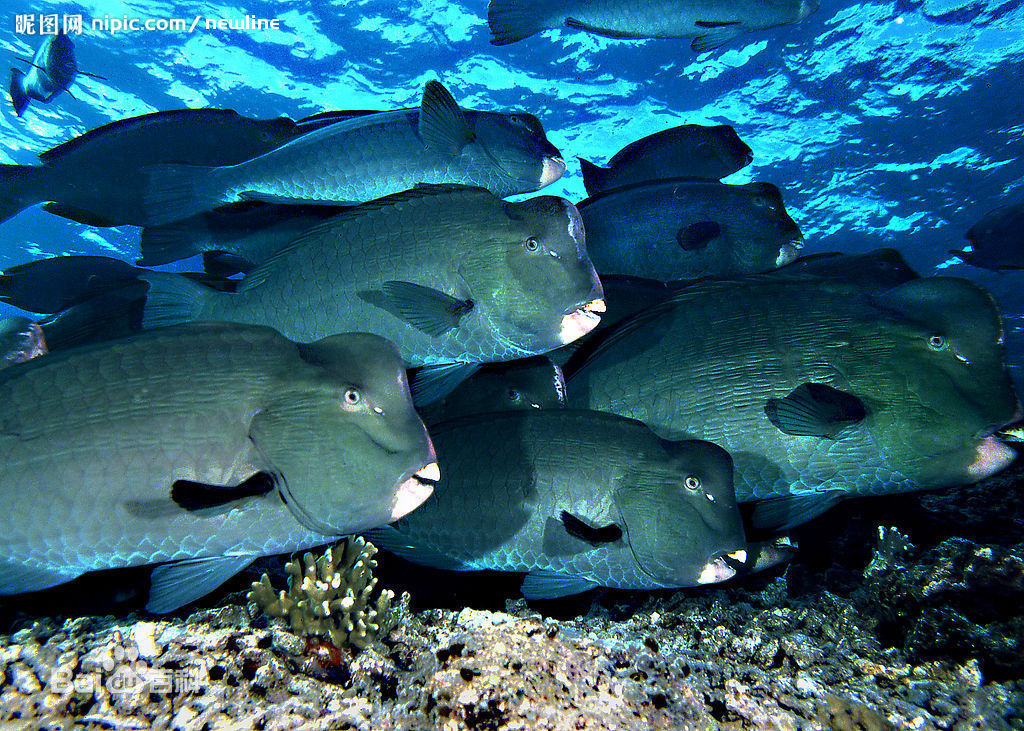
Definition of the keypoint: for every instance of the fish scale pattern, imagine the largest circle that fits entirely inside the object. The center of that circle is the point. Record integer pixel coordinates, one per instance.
(505, 476)
(684, 385)
(331, 280)
(355, 161)
(134, 417)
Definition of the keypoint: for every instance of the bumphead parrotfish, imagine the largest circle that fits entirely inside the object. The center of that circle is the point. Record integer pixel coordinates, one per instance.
(201, 448)
(578, 499)
(686, 151)
(687, 229)
(96, 178)
(530, 383)
(820, 389)
(997, 240)
(450, 274)
(366, 157)
(709, 22)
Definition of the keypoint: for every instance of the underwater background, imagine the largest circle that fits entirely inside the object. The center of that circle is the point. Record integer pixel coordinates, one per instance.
(885, 124)
(895, 124)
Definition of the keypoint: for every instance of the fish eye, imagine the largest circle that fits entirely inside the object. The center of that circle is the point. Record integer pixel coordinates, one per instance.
(531, 244)
(352, 397)
(513, 395)
(520, 120)
(936, 342)
(692, 483)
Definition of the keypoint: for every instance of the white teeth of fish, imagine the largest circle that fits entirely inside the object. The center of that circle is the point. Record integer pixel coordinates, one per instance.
(430, 473)
(788, 253)
(553, 169)
(578, 323)
(595, 306)
(716, 571)
(1013, 434)
(413, 493)
(739, 555)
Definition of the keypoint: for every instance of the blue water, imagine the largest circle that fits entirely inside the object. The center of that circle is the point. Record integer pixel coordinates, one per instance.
(884, 123)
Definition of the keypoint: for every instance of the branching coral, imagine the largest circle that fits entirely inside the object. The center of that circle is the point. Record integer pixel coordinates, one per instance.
(332, 596)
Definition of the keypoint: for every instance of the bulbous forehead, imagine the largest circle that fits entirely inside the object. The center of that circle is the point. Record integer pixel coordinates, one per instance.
(361, 359)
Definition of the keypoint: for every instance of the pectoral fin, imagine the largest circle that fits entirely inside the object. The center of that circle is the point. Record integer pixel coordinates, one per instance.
(698, 235)
(428, 384)
(588, 533)
(173, 585)
(195, 496)
(425, 308)
(714, 38)
(781, 513)
(442, 124)
(815, 410)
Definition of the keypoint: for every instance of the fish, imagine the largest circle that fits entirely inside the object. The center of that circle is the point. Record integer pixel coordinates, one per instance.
(879, 270)
(687, 229)
(624, 296)
(57, 283)
(52, 70)
(21, 339)
(370, 156)
(710, 23)
(170, 446)
(86, 298)
(820, 389)
(577, 499)
(96, 178)
(686, 151)
(454, 276)
(233, 238)
(997, 240)
(529, 383)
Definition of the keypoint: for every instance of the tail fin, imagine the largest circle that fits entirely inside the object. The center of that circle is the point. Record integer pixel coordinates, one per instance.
(514, 20)
(173, 299)
(18, 187)
(595, 177)
(16, 87)
(167, 243)
(175, 192)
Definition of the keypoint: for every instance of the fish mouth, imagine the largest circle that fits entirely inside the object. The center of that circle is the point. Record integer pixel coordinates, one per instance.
(1010, 433)
(554, 167)
(719, 569)
(581, 321)
(788, 253)
(990, 456)
(414, 491)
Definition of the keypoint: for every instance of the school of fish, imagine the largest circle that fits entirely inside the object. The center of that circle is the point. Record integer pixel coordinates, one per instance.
(377, 342)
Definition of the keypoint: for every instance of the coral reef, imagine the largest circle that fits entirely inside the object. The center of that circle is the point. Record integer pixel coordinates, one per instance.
(333, 596)
(879, 622)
